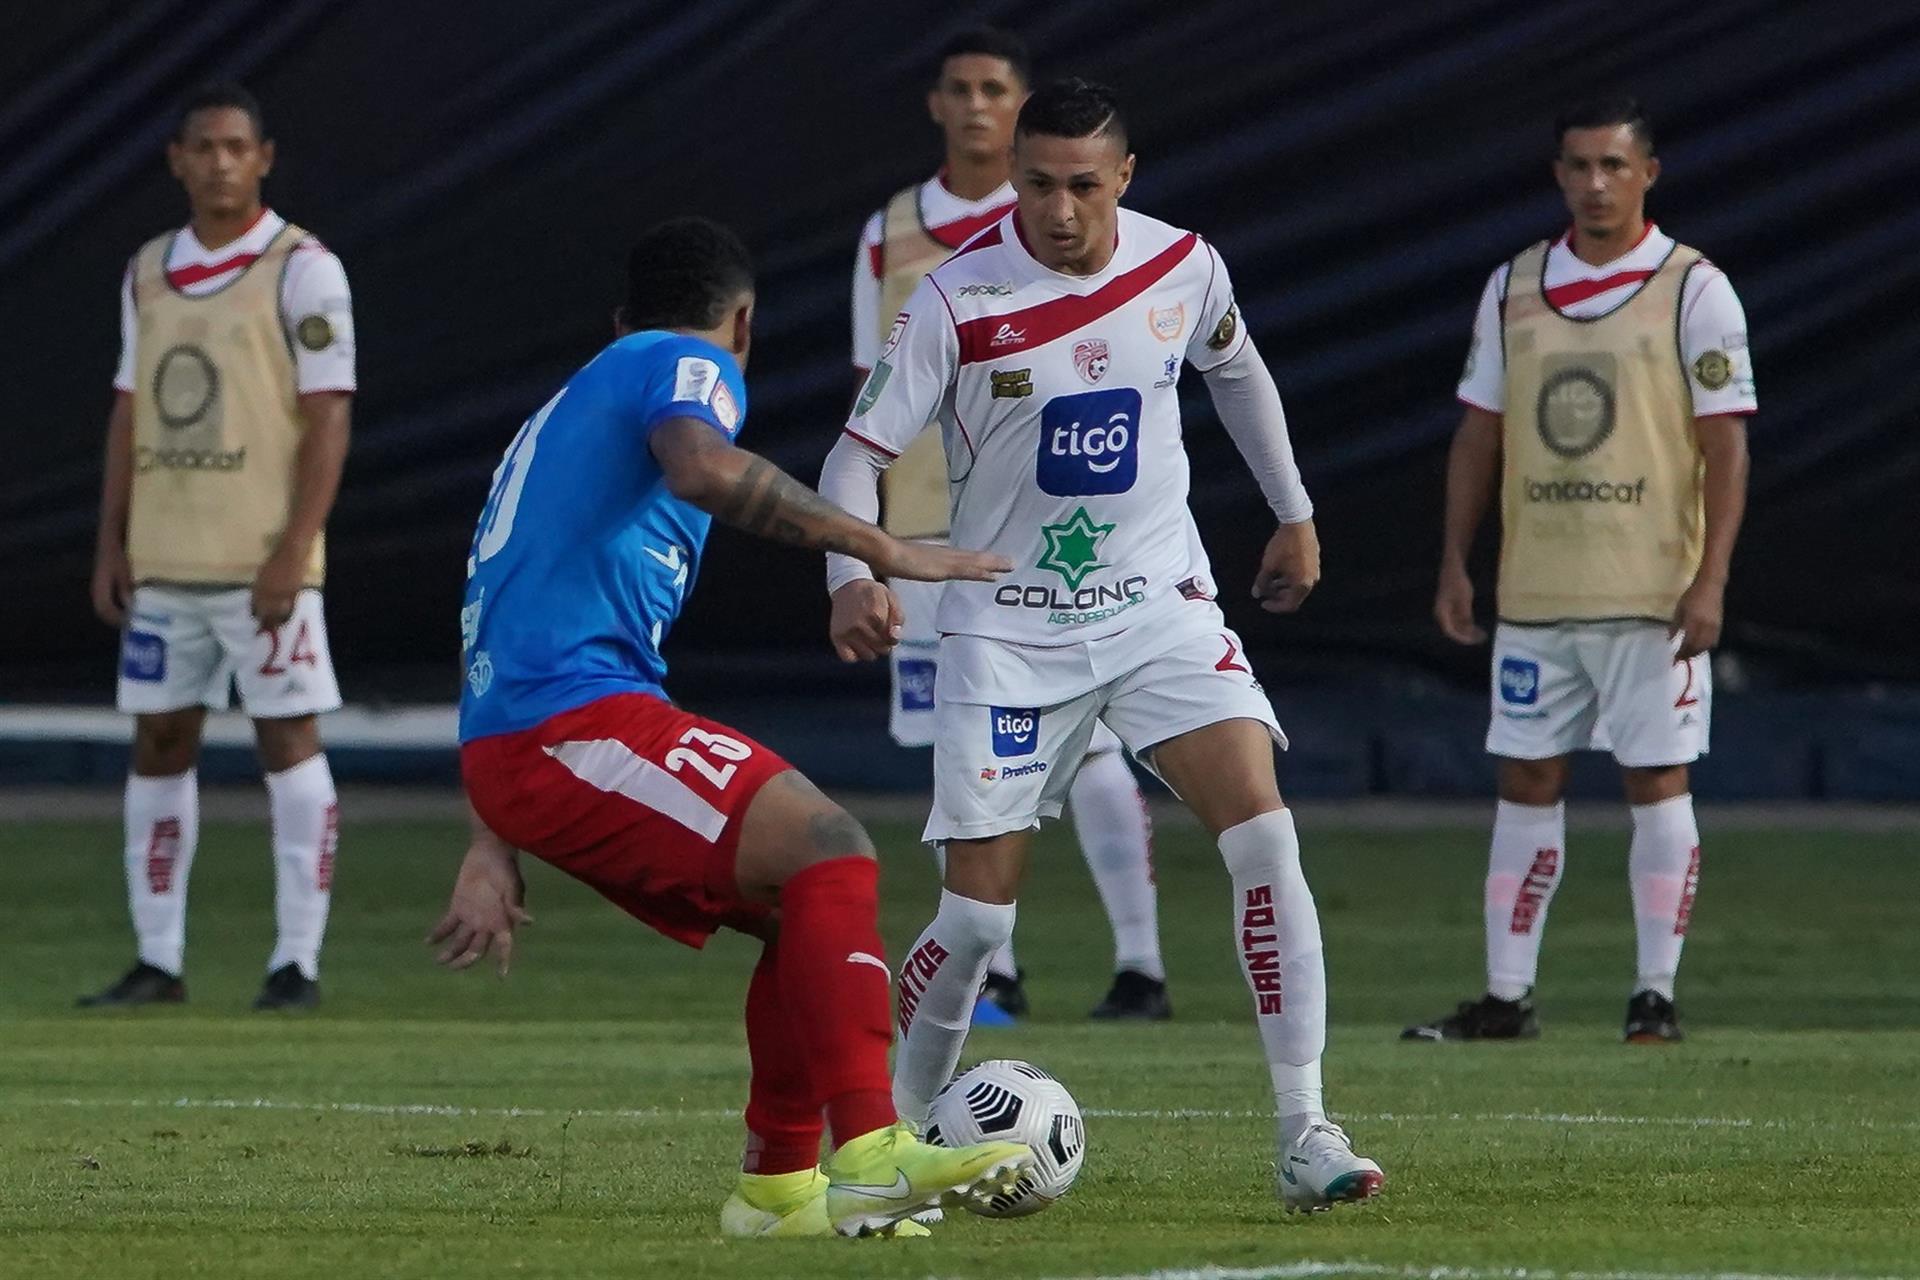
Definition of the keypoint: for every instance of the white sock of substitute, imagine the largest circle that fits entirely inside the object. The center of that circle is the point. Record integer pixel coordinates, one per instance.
(938, 984)
(1277, 933)
(1664, 866)
(1116, 835)
(1523, 869)
(306, 831)
(162, 825)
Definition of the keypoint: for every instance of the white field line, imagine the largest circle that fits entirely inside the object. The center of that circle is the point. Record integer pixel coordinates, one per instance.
(1554, 1119)
(1313, 1270)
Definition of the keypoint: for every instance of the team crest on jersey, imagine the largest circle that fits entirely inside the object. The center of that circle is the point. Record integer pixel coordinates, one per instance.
(725, 407)
(1091, 359)
(1167, 323)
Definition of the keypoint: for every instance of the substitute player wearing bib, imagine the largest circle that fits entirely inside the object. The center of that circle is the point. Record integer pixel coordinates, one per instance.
(586, 550)
(983, 78)
(1048, 350)
(1607, 386)
(224, 449)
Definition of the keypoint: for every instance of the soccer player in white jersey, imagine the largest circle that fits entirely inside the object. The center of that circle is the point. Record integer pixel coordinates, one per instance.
(983, 78)
(1607, 390)
(224, 448)
(1047, 350)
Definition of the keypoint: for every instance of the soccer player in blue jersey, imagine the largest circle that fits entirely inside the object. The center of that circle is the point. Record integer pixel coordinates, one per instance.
(586, 549)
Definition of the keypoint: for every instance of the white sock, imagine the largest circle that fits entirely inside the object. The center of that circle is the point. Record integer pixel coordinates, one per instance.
(1277, 933)
(162, 827)
(306, 830)
(1523, 869)
(1664, 866)
(938, 985)
(1116, 835)
(1001, 963)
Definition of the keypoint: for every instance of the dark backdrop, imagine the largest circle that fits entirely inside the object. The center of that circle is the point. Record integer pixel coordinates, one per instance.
(480, 168)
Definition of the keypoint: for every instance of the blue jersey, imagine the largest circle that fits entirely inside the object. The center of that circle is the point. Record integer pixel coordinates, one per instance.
(583, 557)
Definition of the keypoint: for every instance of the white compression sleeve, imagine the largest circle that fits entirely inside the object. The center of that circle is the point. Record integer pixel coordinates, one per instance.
(850, 479)
(1248, 403)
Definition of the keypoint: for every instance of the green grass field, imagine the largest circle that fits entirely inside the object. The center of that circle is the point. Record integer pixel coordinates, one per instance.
(578, 1120)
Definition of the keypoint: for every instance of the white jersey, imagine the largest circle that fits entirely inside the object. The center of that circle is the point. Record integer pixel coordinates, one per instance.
(315, 284)
(1056, 399)
(1712, 322)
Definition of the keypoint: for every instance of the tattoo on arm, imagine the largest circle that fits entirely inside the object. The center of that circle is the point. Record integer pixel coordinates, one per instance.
(770, 503)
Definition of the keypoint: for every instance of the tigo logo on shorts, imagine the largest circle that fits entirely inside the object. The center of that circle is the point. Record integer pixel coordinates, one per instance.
(1519, 681)
(916, 684)
(1089, 443)
(1016, 730)
(143, 656)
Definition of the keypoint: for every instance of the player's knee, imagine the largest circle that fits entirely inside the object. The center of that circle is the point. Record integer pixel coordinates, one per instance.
(1532, 782)
(980, 928)
(164, 745)
(835, 833)
(1652, 786)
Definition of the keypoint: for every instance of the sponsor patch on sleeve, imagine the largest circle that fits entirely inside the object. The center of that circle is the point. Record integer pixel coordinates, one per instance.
(726, 408)
(1223, 333)
(1713, 370)
(870, 394)
(315, 332)
(694, 379)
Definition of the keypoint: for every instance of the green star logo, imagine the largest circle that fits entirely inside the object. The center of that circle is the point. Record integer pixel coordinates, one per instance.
(1073, 547)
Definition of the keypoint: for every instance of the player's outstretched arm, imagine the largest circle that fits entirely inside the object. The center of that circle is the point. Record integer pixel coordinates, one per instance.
(748, 492)
(1473, 468)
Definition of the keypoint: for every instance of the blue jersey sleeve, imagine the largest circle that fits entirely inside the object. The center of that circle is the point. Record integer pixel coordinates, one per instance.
(688, 378)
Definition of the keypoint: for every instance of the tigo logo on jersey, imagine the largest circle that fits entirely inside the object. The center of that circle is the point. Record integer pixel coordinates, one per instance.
(1016, 730)
(1519, 681)
(1167, 323)
(143, 657)
(916, 684)
(1091, 359)
(1088, 443)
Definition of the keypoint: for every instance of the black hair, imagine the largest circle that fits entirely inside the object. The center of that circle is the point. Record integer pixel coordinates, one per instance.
(1597, 113)
(1073, 108)
(991, 42)
(223, 93)
(683, 274)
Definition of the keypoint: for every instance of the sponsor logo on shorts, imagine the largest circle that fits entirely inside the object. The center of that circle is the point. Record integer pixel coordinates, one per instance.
(1260, 948)
(1519, 681)
(143, 657)
(1628, 492)
(916, 684)
(1022, 770)
(1016, 730)
(1089, 443)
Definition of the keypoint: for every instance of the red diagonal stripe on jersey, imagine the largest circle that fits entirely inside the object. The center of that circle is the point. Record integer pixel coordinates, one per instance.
(1043, 322)
(985, 240)
(960, 230)
(185, 276)
(1565, 295)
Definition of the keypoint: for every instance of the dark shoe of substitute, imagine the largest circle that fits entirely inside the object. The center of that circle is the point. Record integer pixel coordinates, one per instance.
(1135, 995)
(1487, 1018)
(1651, 1019)
(1006, 994)
(288, 988)
(142, 984)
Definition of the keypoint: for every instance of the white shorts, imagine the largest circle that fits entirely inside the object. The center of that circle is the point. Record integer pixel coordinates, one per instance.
(183, 648)
(915, 662)
(1598, 686)
(998, 769)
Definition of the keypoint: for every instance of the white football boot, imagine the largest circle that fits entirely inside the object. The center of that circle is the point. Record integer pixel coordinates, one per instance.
(1319, 1170)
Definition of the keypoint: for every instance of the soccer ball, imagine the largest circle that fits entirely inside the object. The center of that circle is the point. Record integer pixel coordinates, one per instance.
(1014, 1101)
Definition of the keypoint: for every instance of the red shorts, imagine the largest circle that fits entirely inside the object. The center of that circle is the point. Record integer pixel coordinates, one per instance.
(637, 798)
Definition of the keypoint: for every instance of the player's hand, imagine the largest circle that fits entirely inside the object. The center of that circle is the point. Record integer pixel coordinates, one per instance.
(275, 587)
(1697, 619)
(1453, 607)
(1289, 568)
(866, 620)
(112, 585)
(932, 562)
(484, 911)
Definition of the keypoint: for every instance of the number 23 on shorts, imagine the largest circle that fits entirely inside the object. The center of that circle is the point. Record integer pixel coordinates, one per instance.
(698, 751)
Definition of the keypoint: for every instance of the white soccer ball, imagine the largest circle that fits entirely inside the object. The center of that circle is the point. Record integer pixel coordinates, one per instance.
(1012, 1101)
